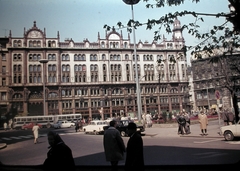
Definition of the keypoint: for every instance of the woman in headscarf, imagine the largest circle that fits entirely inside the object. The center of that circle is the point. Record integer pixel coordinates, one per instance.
(203, 120)
(60, 155)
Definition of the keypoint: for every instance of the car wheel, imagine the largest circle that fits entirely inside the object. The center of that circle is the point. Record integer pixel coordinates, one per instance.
(228, 135)
(123, 134)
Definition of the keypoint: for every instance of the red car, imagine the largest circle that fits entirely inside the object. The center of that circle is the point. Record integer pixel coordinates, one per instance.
(30, 126)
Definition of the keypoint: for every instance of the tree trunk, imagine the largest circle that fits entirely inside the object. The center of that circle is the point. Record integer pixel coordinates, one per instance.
(235, 106)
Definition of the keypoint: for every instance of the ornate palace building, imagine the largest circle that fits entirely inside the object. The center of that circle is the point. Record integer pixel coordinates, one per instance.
(82, 77)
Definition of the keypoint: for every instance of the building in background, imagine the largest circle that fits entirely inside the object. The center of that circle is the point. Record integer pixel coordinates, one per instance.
(214, 78)
(84, 77)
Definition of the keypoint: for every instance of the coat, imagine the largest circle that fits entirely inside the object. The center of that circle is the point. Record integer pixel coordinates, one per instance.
(58, 157)
(134, 157)
(35, 131)
(114, 146)
(203, 120)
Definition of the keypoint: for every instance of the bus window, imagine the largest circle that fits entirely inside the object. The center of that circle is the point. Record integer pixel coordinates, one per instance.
(41, 119)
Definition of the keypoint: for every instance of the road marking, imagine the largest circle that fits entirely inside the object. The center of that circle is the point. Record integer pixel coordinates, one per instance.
(25, 136)
(207, 141)
(22, 137)
(17, 138)
(4, 138)
(234, 142)
(210, 154)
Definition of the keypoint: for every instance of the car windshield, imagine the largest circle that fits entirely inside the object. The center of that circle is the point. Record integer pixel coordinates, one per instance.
(92, 123)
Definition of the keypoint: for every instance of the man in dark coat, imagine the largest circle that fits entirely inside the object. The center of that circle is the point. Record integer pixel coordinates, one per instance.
(59, 156)
(134, 155)
(114, 146)
(181, 123)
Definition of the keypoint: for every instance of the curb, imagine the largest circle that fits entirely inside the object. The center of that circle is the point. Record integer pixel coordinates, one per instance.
(3, 145)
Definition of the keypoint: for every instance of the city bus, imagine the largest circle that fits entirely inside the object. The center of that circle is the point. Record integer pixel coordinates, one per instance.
(45, 121)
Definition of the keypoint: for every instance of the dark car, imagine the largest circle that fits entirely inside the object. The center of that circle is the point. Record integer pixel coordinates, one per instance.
(122, 127)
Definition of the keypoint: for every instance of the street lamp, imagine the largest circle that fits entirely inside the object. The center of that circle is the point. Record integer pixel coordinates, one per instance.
(44, 61)
(133, 2)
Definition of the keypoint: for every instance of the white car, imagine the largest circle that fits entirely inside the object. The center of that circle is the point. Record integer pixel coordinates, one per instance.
(231, 131)
(95, 127)
(63, 124)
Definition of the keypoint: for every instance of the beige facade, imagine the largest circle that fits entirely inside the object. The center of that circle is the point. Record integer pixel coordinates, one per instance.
(82, 77)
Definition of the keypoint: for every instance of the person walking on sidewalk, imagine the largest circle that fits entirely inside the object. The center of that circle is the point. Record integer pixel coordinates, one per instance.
(134, 154)
(181, 123)
(114, 146)
(5, 126)
(187, 125)
(203, 120)
(59, 155)
(35, 132)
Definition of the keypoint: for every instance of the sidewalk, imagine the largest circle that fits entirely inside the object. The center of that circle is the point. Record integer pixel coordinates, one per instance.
(171, 130)
(3, 145)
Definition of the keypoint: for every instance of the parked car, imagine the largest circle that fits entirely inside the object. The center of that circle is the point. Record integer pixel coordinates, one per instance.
(122, 127)
(95, 127)
(63, 124)
(230, 131)
(30, 125)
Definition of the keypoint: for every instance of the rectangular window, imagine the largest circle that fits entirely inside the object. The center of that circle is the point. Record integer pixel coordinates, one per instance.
(3, 96)
(3, 57)
(4, 69)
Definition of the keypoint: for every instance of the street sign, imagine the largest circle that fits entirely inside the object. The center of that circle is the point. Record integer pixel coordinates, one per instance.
(217, 94)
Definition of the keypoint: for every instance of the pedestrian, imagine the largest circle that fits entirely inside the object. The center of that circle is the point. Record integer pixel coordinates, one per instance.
(181, 123)
(59, 155)
(149, 120)
(134, 153)
(5, 126)
(35, 132)
(187, 125)
(223, 114)
(114, 146)
(230, 116)
(77, 126)
(203, 120)
(10, 124)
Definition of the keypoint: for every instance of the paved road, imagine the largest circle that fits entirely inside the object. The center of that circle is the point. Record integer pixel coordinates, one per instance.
(162, 146)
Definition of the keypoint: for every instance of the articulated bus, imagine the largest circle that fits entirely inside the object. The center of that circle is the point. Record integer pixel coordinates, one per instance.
(45, 121)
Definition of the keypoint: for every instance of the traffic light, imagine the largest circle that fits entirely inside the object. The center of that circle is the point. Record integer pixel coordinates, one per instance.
(234, 16)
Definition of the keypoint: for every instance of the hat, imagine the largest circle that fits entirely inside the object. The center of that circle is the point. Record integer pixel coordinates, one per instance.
(132, 125)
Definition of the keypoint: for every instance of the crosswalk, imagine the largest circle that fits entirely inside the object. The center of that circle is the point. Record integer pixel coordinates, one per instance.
(31, 136)
(20, 137)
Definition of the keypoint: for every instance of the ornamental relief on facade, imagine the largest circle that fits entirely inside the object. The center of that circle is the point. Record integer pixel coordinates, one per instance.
(35, 34)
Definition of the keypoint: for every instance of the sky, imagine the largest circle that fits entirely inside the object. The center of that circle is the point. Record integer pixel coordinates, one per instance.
(81, 19)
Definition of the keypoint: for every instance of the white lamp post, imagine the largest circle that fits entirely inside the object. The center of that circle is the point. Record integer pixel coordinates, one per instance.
(139, 105)
(44, 61)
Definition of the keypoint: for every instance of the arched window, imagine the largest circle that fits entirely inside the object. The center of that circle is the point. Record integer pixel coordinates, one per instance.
(30, 44)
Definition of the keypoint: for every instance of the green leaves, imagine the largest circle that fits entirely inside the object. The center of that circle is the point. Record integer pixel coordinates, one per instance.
(208, 41)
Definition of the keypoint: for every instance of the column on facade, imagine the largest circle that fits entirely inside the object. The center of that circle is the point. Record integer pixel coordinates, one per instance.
(144, 105)
(60, 109)
(158, 99)
(90, 107)
(73, 106)
(180, 103)
(25, 108)
(169, 103)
